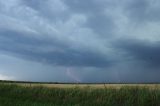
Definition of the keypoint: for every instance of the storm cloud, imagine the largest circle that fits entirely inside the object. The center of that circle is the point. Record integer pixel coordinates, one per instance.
(84, 41)
(140, 50)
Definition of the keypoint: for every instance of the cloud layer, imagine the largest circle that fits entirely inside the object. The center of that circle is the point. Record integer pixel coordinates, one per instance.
(98, 41)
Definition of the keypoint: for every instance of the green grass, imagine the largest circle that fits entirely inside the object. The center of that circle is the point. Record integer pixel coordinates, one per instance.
(14, 95)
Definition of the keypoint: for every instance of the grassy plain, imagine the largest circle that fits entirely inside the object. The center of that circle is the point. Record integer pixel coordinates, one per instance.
(93, 86)
(36, 94)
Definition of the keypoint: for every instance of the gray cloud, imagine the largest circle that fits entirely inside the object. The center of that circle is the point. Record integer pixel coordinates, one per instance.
(145, 51)
(53, 10)
(143, 10)
(97, 18)
(97, 40)
(58, 54)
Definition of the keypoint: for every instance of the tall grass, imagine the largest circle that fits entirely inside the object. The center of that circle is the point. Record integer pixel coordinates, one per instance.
(14, 95)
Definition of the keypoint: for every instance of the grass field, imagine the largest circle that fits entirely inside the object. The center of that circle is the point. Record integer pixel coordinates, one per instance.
(93, 86)
(25, 94)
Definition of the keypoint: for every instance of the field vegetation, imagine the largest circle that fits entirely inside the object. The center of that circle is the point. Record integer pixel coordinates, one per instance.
(30, 95)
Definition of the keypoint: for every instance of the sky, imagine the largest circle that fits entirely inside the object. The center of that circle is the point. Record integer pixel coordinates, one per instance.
(80, 40)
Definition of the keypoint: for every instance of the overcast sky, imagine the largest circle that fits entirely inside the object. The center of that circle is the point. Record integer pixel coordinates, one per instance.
(80, 40)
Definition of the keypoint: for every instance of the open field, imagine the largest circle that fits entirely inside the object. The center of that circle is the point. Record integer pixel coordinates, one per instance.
(36, 94)
(94, 86)
(81, 85)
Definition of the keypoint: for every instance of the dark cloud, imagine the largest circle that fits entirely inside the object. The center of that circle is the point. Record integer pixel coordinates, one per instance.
(143, 10)
(97, 17)
(101, 24)
(53, 10)
(88, 6)
(35, 4)
(59, 53)
(139, 50)
(97, 40)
